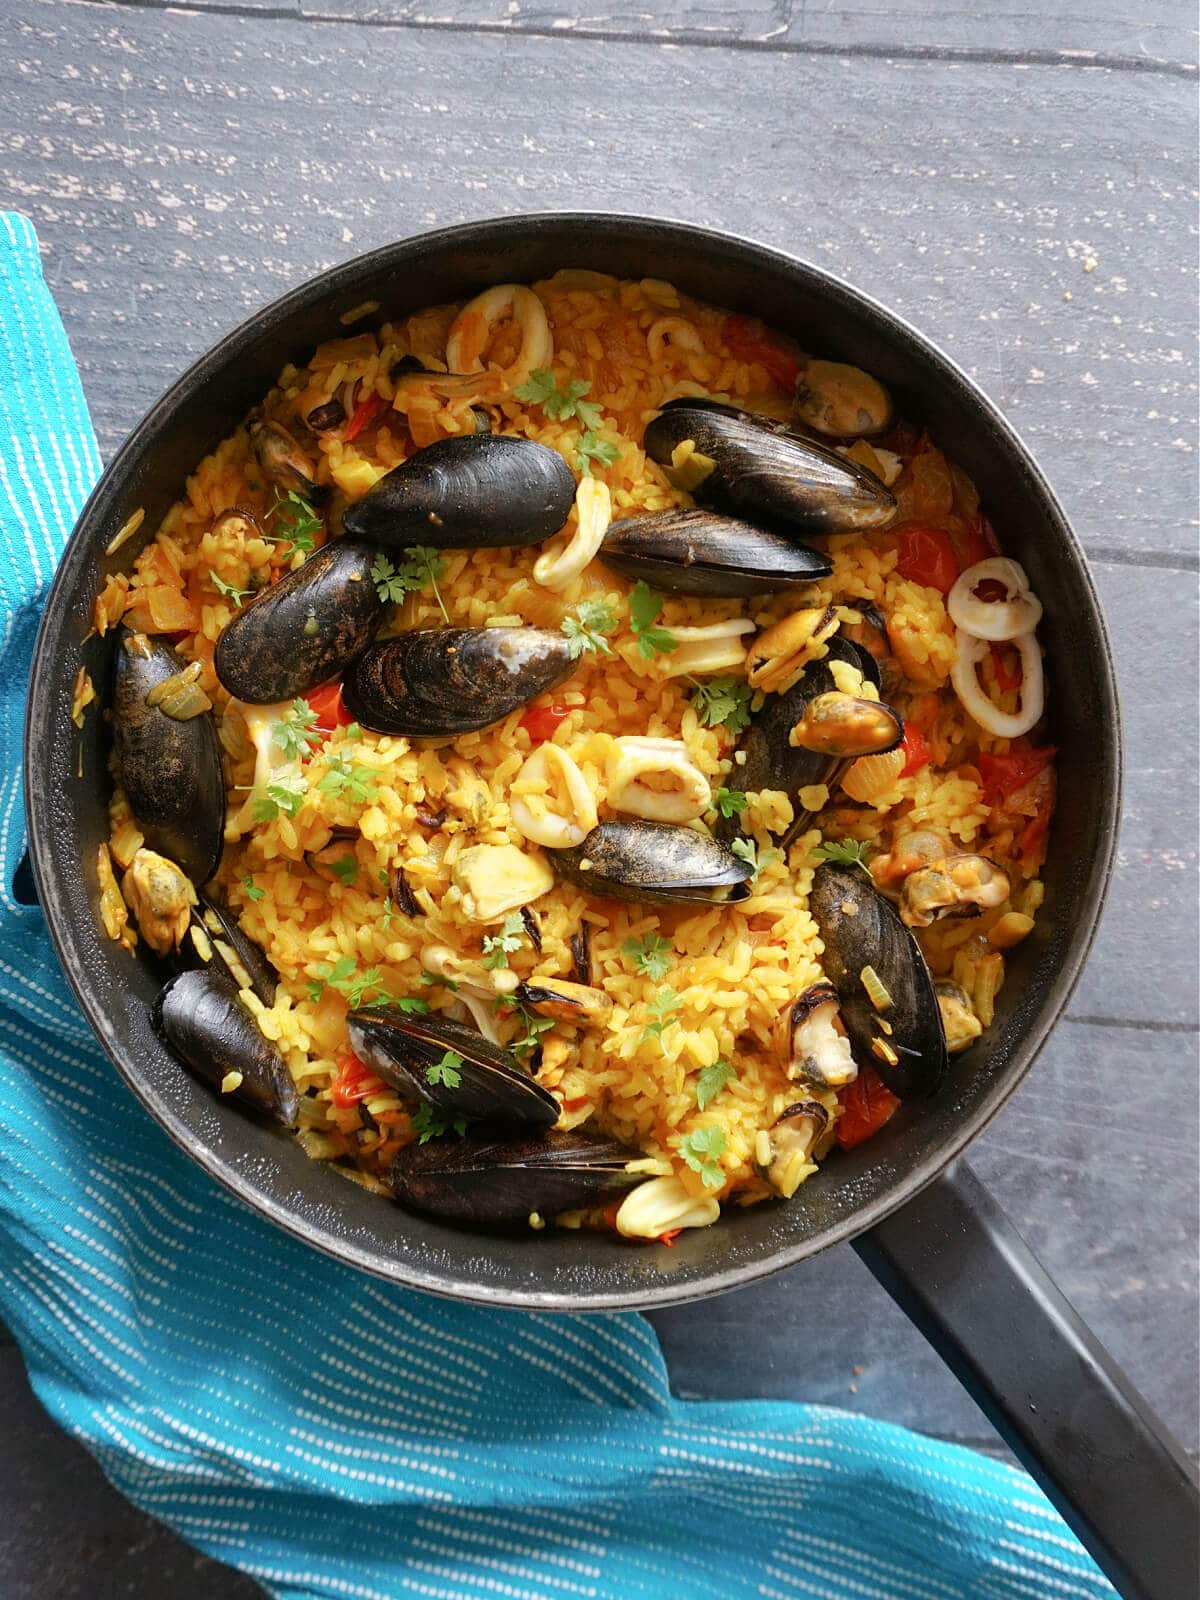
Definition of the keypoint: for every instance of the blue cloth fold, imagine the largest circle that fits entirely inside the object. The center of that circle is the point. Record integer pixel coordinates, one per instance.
(335, 1436)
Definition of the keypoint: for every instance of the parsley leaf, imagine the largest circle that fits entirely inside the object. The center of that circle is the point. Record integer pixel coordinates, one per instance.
(498, 946)
(352, 732)
(297, 734)
(593, 449)
(723, 701)
(730, 802)
(661, 1009)
(346, 979)
(586, 630)
(229, 590)
(412, 1007)
(446, 1070)
(701, 1149)
(541, 389)
(346, 780)
(287, 796)
(431, 1124)
(651, 955)
(421, 568)
(295, 522)
(644, 607)
(747, 850)
(534, 1027)
(711, 1081)
(843, 852)
(253, 892)
(345, 870)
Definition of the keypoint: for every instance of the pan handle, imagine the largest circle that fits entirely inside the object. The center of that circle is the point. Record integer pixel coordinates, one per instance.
(958, 1268)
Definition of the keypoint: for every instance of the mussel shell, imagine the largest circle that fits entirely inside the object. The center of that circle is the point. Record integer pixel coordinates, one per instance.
(699, 552)
(492, 1087)
(263, 977)
(199, 1015)
(303, 630)
(480, 1179)
(860, 928)
(438, 682)
(655, 863)
(170, 770)
(761, 471)
(771, 762)
(475, 491)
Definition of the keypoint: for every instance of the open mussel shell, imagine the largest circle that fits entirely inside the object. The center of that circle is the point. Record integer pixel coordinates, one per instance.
(743, 466)
(438, 682)
(655, 863)
(303, 630)
(216, 940)
(905, 1042)
(472, 492)
(170, 769)
(774, 763)
(701, 553)
(492, 1086)
(199, 1015)
(483, 1179)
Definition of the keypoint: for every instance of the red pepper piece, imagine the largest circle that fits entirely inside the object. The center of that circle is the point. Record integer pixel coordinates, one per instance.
(926, 555)
(354, 1081)
(364, 413)
(916, 750)
(326, 705)
(867, 1103)
(540, 722)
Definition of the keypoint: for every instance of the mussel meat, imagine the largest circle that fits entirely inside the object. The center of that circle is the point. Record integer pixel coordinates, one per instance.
(957, 886)
(841, 401)
(303, 630)
(435, 683)
(199, 1015)
(170, 769)
(217, 940)
(282, 459)
(449, 1066)
(482, 1179)
(699, 552)
(895, 1023)
(736, 462)
(815, 1052)
(655, 863)
(475, 491)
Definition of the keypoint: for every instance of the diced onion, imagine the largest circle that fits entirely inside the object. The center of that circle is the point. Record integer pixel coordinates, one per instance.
(963, 675)
(876, 989)
(593, 511)
(997, 620)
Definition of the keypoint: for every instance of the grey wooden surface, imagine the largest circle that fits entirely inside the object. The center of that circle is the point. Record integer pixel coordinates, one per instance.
(1017, 182)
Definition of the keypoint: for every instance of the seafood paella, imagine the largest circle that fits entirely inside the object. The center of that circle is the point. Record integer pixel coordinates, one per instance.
(579, 758)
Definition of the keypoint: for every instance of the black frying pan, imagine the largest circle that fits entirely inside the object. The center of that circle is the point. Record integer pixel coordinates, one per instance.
(924, 1225)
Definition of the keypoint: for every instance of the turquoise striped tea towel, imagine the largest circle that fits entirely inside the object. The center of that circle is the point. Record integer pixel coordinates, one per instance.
(338, 1437)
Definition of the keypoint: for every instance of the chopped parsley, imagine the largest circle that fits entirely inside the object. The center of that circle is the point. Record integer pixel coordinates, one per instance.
(651, 955)
(711, 1081)
(701, 1149)
(747, 850)
(560, 405)
(644, 607)
(723, 701)
(253, 892)
(595, 449)
(446, 1071)
(586, 630)
(286, 796)
(731, 802)
(297, 734)
(431, 1124)
(345, 870)
(421, 568)
(345, 977)
(497, 947)
(352, 732)
(346, 780)
(843, 853)
(661, 1008)
(229, 590)
(295, 522)
(412, 1007)
(534, 1027)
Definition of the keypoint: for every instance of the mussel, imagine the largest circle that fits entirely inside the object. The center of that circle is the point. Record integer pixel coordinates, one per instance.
(200, 1016)
(734, 461)
(438, 682)
(774, 761)
(841, 401)
(655, 863)
(282, 459)
(450, 1066)
(169, 768)
(482, 1179)
(472, 492)
(702, 553)
(217, 940)
(886, 996)
(303, 630)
